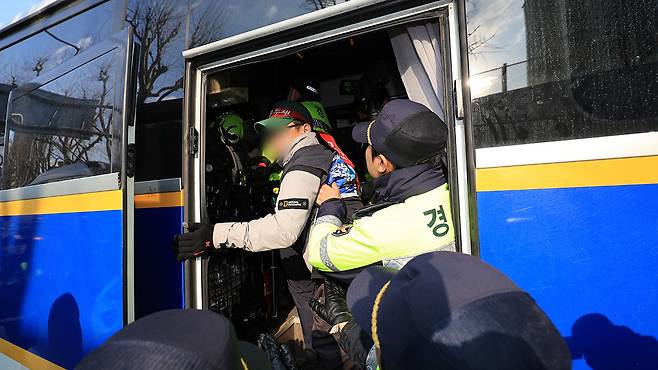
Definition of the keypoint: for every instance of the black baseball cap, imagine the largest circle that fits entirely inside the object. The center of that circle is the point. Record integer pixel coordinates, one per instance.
(406, 132)
(177, 340)
(282, 114)
(451, 310)
(303, 91)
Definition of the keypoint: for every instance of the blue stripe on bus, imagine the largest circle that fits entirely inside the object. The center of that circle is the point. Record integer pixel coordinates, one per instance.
(61, 282)
(589, 257)
(158, 275)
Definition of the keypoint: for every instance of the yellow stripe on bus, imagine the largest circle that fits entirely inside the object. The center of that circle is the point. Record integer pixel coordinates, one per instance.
(158, 200)
(604, 172)
(89, 202)
(26, 358)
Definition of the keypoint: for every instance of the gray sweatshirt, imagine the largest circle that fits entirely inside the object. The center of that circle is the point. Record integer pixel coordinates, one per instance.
(294, 207)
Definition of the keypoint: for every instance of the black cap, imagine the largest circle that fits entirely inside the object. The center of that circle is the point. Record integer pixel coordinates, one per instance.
(405, 132)
(304, 91)
(176, 339)
(419, 311)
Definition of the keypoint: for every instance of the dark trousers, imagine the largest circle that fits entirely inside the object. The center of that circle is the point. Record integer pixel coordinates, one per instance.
(302, 292)
(301, 288)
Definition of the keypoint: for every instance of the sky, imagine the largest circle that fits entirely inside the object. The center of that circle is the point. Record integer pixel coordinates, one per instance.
(502, 23)
(14, 10)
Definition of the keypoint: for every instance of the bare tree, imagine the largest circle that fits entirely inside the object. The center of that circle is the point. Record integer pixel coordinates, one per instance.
(478, 43)
(77, 149)
(156, 27)
(163, 28)
(39, 64)
(321, 4)
(159, 29)
(87, 98)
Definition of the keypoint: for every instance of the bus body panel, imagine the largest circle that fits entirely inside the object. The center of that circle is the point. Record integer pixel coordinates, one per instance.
(62, 277)
(66, 247)
(158, 275)
(586, 254)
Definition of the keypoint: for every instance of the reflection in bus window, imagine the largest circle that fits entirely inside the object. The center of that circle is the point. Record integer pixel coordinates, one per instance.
(562, 69)
(62, 129)
(38, 54)
(4, 95)
(165, 28)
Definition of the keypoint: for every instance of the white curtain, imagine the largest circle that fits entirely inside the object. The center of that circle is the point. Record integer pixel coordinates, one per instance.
(418, 54)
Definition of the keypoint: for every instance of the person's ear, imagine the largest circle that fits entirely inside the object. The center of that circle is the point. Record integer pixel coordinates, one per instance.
(383, 165)
(306, 128)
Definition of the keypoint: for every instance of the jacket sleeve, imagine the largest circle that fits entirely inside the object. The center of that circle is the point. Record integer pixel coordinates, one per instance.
(334, 246)
(281, 229)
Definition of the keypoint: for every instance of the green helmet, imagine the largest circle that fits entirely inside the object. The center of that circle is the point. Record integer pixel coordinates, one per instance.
(232, 124)
(319, 114)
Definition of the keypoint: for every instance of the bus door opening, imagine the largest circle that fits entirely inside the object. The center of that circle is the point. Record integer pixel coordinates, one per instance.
(351, 79)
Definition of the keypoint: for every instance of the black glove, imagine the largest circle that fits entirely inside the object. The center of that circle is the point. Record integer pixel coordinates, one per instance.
(194, 243)
(356, 343)
(280, 355)
(334, 310)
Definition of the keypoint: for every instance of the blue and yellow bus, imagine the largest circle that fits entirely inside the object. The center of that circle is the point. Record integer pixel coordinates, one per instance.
(111, 141)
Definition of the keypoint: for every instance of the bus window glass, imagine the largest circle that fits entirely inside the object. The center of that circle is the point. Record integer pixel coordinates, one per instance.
(37, 54)
(159, 136)
(165, 28)
(561, 69)
(63, 129)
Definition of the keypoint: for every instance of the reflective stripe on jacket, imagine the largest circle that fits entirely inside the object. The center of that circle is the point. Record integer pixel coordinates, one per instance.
(391, 235)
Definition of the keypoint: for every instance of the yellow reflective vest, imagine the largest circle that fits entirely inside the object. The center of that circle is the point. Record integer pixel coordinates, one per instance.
(392, 235)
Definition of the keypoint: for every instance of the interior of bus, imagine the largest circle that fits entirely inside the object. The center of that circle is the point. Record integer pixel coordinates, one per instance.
(354, 77)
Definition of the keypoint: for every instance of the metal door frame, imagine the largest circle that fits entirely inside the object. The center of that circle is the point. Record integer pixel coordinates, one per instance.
(127, 174)
(286, 38)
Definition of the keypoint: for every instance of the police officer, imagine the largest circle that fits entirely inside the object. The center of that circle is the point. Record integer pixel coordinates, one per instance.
(177, 340)
(288, 132)
(446, 310)
(410, 211)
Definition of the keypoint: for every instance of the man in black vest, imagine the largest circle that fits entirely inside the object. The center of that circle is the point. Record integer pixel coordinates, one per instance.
(288, 132)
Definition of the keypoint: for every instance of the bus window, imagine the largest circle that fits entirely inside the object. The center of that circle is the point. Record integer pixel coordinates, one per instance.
(158, 132)
(23, 59)
(545, 71)
(37, 54)
(61, 125)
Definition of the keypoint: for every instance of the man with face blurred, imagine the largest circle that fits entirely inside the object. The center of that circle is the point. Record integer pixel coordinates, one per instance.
(289, 135)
